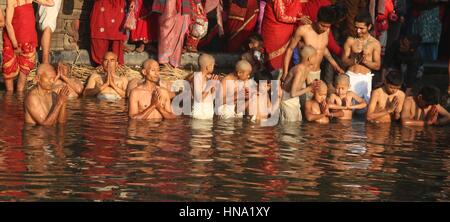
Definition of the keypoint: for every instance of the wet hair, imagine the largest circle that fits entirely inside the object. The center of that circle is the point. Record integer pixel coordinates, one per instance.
(326, 14)
(364, 17)
(430, 94)
(394, 77)
(414, 41)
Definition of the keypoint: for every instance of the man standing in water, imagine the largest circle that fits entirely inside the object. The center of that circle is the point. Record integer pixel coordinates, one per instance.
(148, 101)
(362, 55)
(42, 105)
(315, 35)
(109, 86)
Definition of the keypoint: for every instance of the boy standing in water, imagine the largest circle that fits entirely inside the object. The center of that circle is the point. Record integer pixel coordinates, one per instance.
(343, 98)
(204, 91)
(317, 109)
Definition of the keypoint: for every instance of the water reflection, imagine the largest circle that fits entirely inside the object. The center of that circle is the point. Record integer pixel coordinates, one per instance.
(100, 155)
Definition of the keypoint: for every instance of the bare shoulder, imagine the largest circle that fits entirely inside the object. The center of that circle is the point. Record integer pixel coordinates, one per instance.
(401, 94)
(350, 40)
(374, 42)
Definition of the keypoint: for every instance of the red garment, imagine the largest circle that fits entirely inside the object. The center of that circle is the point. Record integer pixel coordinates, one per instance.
(153, 27)
(23, 23)
(107, 18)
(141, 13)
(280, 19)
(311, 8)
(241, 24)
(193, 40)
(99, 47)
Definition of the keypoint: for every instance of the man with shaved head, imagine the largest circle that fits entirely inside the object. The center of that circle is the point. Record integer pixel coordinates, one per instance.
(42, 105)
(149, 101)
(229, 86)
(109, 86)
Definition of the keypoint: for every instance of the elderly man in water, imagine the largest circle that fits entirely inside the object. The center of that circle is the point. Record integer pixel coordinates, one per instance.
(149, 101)
(63, 79)
(42, 105)
(108, 86)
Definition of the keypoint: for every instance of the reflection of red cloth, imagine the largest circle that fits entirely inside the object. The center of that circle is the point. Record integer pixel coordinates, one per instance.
(311, 8)
(277, 27)
(141, 31)
(241, 24)
(107, 18)
(23, 23)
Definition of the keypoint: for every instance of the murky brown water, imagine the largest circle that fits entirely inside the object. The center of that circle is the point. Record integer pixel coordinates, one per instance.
(100, 155)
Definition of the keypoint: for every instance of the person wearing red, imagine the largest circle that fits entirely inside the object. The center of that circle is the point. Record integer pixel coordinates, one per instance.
(197, 28)
(241, 23)
(173, 25)
(140, 34)
(279, 22)
(107, 19)
(19, 42)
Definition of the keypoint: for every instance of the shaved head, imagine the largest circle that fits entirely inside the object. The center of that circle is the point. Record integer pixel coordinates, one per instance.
(45, 68)
(322, 87)
(149, 63)
(243, 66)
(205, 60)
(110, 55)
(308, 51)
(342, 79)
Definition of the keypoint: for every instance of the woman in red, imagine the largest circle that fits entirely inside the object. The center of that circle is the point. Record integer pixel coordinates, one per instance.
(279, 22)
(19, 41)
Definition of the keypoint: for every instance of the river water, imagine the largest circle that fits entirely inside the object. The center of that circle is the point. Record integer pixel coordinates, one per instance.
(99, 155)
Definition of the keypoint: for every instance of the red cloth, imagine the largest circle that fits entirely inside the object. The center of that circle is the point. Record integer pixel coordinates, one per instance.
(241, 24)
(153, 27)
(311, 8)
(23, 23)
(99, 47)
(141, 33)
(107, 18)
(192, 40)
(280, 19)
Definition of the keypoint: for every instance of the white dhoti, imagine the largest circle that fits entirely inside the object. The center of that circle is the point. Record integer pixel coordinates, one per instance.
(227, 111)
(48, 15)
(361, 84)
(309, 79)
(290, 108)
(203, 110)
(108, 96)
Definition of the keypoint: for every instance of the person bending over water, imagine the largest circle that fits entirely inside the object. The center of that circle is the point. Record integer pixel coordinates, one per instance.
(424, 109)
(317, 109)
(386, 102)
(343, 98)
(63, 79)
(149, 101)
(108, 86)
(42, 105)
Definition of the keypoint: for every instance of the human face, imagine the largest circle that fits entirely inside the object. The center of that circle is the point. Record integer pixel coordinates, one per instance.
(391, 89)
(342, 89)
(320, 95)
(404, 45)
(323, 27)
(47, 79)
(254, 44)
(109, 59)
(243, 75)
(361, 29)
(152, 73)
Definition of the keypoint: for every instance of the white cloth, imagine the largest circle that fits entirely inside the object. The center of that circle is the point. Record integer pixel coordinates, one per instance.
(290, 108)
(203, 110)
(48, 15)
(227, 111)
(361, 84)
(108, 96)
